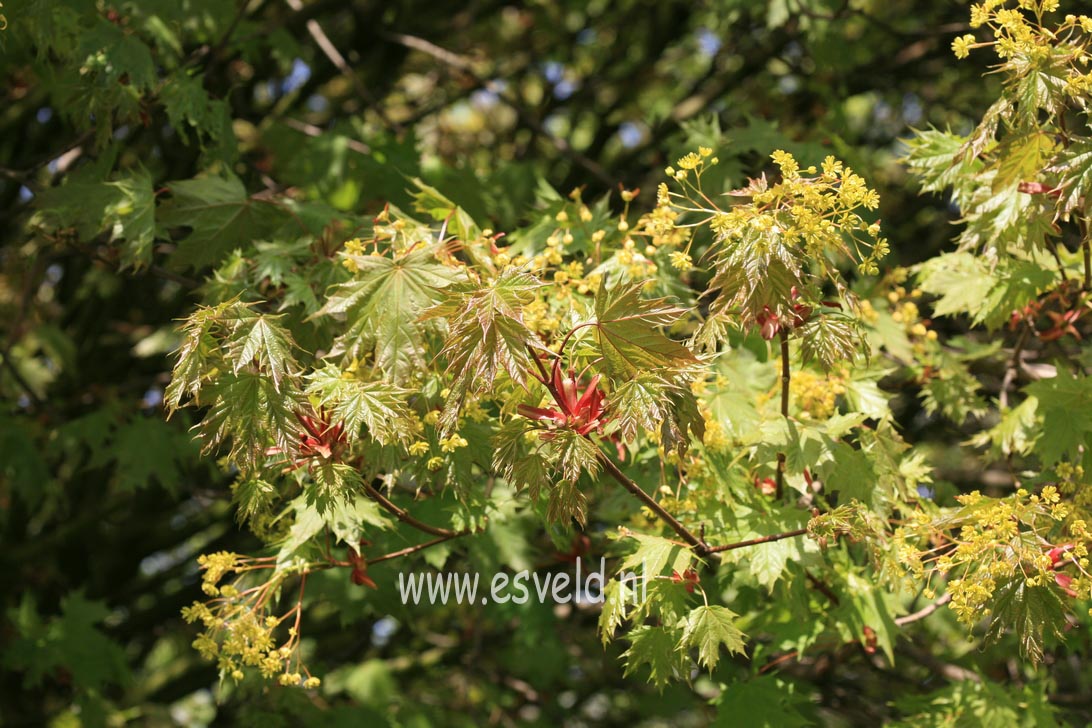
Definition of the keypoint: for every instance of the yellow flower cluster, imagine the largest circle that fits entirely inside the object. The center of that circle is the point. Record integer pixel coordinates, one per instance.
(239, 631)
(815, 394)
(812, 210)
(989, 542)
(904, 312)
(1018, 30)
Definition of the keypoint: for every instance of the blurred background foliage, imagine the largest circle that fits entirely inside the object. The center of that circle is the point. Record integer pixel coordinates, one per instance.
(341, 103)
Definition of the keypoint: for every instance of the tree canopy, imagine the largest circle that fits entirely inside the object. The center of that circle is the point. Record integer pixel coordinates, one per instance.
(782, 305)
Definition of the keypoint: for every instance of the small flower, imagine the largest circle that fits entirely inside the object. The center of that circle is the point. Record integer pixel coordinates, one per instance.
(681, 261)
(451, 444)
(962, 45)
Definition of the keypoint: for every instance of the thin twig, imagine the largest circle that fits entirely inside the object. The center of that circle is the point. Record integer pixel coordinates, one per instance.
(924, 611)
(700, 547)
(822, 588)
(465, 65)
(1013, 368)
(419, 547)
(334, 55)
(405, 517)
(757, 541)
(19, 379)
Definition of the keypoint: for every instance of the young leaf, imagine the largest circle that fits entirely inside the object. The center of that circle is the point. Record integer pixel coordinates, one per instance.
(486, 334)
(379, 406)
(653, 554)
(656, 647)
(830, 338)
(220, 215)
(709, 627)
(1032, 612)
(260, 338)
(382, 306)
(252, 413)
(627, 329)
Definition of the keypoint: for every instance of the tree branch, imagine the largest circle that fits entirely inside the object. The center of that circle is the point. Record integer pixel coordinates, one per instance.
(463, 64)
(757, 541)
(698, 545)
(334, 55)
(403, 516)
(419, 547)
(924, 611)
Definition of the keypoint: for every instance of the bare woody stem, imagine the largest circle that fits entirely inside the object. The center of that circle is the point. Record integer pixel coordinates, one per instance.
(698, 545)
(757, 541)
(419, 547)
(785, 379)
(924, 611)
(405, 517)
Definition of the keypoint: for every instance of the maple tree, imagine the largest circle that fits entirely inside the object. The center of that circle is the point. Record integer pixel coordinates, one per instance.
(371, 348)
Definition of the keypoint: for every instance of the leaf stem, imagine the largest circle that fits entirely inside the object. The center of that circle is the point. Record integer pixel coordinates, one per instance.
(785, 379)
(1086, 247)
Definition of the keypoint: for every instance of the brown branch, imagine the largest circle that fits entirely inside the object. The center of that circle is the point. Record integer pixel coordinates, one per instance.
(698, 545)
(5, 358)
(419, 547)
(924, 611)
(757, 541)
(403, 516)
(465, 65)
(822, 587)
(1086, 247)
(334, 55)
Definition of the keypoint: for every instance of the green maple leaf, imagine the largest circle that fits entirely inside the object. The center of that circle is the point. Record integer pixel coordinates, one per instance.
(830, 338)
(710, 627)
(851, 473)
(251, 412)
(220, 215)
(764, 701)
(962, 280)
(656, 647)
(1022, 158)
(351, 518)
(652, 402)
(1074, 167)
(486, 334)
(190, 108)
(617, 597)
(938, 160)
(1065, 406)
(70, 641)
(574, 454)
(260, 338)
(520, 465)
(653, 554)
(566, 502)
(1032, 612)
(627, 329)
(382, 306)
(149, 449)
(379, 406)
(124, 207)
